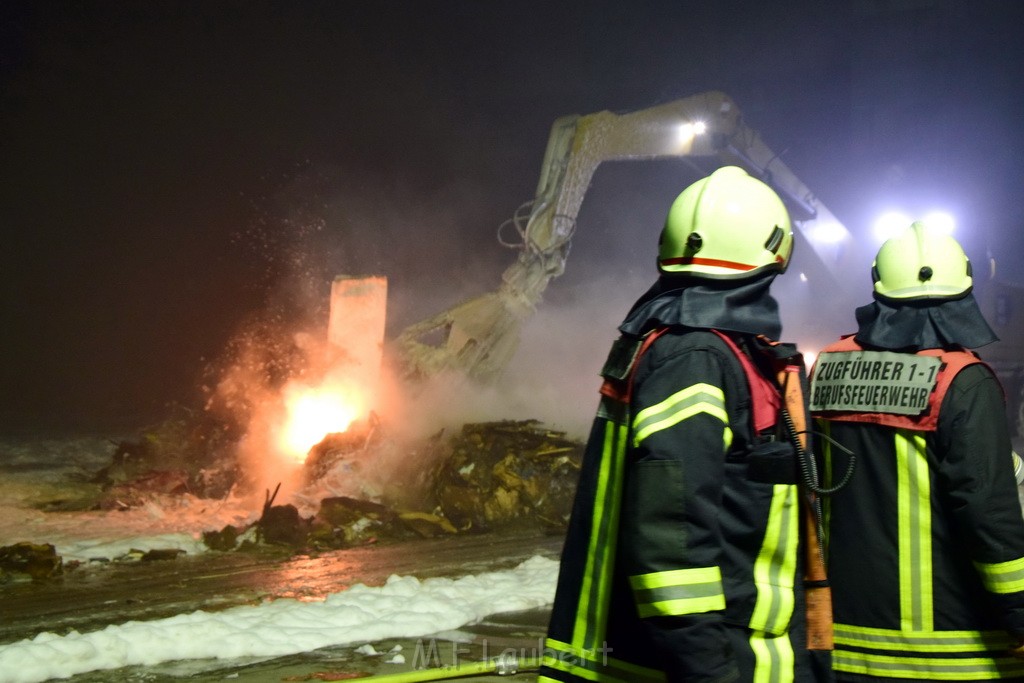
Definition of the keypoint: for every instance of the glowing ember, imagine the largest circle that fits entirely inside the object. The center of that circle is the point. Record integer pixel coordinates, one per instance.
(312, 414)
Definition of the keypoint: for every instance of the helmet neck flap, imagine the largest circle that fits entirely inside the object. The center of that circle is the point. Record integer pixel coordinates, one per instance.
(913, 326)
(737, 306)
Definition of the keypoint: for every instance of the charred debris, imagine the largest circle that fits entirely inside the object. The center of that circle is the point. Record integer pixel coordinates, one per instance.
(481, 478)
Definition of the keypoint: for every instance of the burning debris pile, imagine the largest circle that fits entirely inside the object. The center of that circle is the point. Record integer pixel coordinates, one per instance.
(485, 477)
(488, 476)
(308, 418)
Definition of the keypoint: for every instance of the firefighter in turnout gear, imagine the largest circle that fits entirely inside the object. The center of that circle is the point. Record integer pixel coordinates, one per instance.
(926, 543)
(683, 559)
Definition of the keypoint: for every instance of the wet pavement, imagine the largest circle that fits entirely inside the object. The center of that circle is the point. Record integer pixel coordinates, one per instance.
(90, 598)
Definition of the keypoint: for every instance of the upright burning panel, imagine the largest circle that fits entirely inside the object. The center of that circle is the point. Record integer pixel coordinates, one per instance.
(356, 327)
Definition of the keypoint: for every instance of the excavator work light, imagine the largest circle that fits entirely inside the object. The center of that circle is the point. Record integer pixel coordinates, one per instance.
(688, 130)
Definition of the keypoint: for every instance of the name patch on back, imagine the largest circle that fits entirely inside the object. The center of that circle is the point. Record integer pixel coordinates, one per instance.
(873, 382)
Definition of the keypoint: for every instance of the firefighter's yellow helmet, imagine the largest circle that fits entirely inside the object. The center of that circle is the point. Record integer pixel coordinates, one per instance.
(726, 226)
(921, 263)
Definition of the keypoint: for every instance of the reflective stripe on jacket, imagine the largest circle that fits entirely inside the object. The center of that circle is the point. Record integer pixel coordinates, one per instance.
(669, 544)
(926, 543)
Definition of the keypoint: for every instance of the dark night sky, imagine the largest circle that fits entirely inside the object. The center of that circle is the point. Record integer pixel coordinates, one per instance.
(170, 168)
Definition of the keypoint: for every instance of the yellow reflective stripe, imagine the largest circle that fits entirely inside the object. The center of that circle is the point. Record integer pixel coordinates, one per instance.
(1002, 577)
(870, 638)
(915, 531)
(594, 665)
(927, 668)
(773, 658)
(682, 405)
(611, 529)
(775, 566)
(680, 606)
(680, 591)
(677, 577)
(592, 610)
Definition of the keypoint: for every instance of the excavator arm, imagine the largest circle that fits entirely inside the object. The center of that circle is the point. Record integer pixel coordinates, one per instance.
(478, 337)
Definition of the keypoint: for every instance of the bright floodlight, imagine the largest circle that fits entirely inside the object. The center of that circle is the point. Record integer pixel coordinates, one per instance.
(891, 224)
(941, 221)
(687, 131)
(823, 232)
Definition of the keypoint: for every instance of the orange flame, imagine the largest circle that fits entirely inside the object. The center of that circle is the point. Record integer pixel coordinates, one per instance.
(313, 413)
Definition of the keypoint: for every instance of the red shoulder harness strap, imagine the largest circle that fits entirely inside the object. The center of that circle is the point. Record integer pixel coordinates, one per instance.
(764, 396)
(766, 401)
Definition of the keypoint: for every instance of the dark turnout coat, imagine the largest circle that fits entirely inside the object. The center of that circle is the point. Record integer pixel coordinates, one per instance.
(679, 564)
(926, 542)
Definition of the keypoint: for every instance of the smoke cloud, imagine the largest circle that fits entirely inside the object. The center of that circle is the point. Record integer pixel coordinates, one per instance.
(329, 222)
